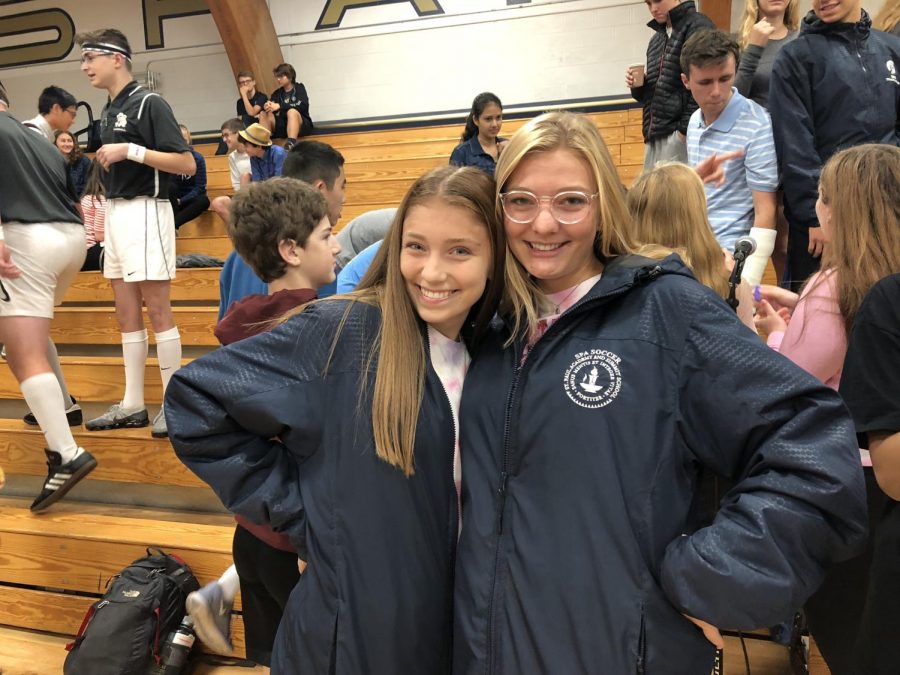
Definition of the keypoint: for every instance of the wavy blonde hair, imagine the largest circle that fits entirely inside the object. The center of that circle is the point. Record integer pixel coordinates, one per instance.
(752, 16)
(889, 16)
(861, 185)
(668, 204)
(569, 131)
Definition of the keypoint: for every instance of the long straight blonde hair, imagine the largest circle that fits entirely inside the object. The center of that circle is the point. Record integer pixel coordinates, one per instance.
(668, 204)
(889, 16)
(398, 347)
(752, 15)
(569, 131)
(861, 185)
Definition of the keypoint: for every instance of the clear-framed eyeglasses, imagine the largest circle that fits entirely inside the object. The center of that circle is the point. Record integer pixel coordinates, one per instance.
(570, 207)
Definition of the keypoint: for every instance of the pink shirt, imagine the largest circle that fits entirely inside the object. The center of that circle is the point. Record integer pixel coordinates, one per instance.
(815, 338)
(94, 209)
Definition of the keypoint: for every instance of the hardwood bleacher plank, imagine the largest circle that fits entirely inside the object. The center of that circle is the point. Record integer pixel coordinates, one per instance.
(123, 455)
(95, 378)
(199, 284)
(98, 325)
(217, 247)
(77, 546)
(207, 224)
(62, 613)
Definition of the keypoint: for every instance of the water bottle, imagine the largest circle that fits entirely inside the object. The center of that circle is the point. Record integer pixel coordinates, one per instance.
(176, 649)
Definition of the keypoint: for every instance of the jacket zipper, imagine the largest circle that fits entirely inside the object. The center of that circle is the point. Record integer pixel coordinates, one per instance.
(640, 277)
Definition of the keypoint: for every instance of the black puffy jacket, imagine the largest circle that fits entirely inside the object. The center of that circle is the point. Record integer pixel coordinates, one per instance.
(581, 466)
(376, 596)
(837, 85)
(668, 105)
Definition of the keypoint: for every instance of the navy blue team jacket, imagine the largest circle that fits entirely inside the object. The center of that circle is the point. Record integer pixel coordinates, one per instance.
(580, 469)
(376, 597)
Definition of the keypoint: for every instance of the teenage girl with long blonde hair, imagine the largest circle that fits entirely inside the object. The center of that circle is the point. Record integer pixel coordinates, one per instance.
(668, 205)
(767, 26)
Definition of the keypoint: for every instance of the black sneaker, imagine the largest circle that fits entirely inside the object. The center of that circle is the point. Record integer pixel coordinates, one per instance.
(73, 415)
(62, 477)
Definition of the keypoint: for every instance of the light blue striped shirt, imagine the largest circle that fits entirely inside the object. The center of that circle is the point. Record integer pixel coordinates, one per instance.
(744, 125)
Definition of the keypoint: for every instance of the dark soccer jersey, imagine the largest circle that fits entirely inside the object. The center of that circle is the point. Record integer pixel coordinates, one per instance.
(34, 181)
(140, 116)
(259, 99)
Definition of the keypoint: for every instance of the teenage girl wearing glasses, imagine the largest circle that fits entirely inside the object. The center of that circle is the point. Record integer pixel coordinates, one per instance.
(587, 418)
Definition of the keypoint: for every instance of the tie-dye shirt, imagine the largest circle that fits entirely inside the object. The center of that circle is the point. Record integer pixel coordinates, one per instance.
(553, 305)
(450, 360)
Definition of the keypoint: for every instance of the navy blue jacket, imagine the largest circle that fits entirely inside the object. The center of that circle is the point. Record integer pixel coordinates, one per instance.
(376, 597)
(831, 88)
(580, 469)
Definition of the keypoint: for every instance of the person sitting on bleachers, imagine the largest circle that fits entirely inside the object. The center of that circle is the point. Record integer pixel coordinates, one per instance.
(265, 157)
(282, 228)
(289, 104)
(356, 238)
(78, 164)
(315, 163)
(188, 196)
(238, 165)
(480, 144)
(858, 210)
(57, 109)
(251, 103)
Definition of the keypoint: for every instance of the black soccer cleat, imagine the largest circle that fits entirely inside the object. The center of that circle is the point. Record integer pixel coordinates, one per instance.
(73, 415)
(62, 477)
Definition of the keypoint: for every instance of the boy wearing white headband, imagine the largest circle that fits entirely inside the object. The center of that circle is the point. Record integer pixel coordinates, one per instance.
(142, 148)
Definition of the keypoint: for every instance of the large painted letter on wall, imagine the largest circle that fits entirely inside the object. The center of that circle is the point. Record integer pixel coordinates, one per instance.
(157, 11)
(36, 22)
(334, 10)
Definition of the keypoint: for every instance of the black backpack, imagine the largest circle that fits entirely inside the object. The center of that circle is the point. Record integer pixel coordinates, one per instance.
(123, 632)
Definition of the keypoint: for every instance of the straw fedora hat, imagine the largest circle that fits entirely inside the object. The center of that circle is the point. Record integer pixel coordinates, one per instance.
(257, 134)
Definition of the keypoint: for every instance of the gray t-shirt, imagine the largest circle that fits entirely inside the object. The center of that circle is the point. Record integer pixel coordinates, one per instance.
(753, 74)
(362, 232)
(35, 186)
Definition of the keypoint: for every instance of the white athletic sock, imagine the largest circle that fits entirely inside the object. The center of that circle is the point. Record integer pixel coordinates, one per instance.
(134, 352)
(44, 397)
(230, 583)
(168, 353)
(53, 358)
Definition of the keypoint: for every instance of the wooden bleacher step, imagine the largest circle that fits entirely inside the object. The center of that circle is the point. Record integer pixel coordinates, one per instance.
(123, 455)
(98, 325)
(190, 284)
(95, 378)
(217, 247)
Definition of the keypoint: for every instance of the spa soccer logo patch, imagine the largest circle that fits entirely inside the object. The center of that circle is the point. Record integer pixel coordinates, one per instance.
(593, 380)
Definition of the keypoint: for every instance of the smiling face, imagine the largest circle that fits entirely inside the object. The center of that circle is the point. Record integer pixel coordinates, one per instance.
(837, 11)
(65, 143)
(556, 254)
(230, 139)
(489, 121)
(711, 85)
(445, 260)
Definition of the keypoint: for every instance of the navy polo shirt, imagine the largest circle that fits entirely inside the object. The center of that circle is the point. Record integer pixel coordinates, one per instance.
(470, 153)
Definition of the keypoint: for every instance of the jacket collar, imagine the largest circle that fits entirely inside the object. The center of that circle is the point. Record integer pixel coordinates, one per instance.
(676, 16)
(813, 24)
